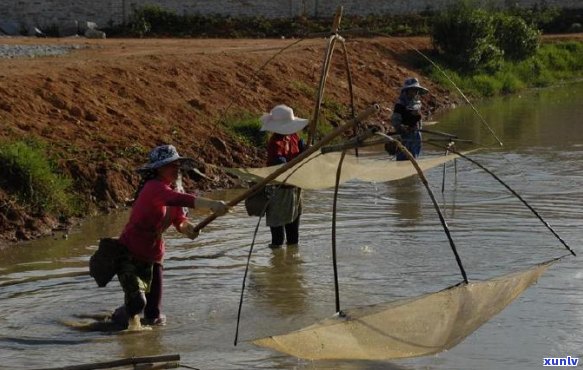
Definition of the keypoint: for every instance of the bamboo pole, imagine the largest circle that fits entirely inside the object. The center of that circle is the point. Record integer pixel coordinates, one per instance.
(324, 74)
(349, 76)
(513, 192)
(334, 211)
(319, 97)
(355, 143)
(439, 133)
(123, 362)
(350, 87)
(325, 140)
(435, 205)
(167, 365)
(337, 18)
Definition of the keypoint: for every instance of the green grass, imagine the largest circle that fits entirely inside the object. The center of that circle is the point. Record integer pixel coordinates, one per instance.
(303, 89)
(246, 127)
(27, 172)
(552, 64)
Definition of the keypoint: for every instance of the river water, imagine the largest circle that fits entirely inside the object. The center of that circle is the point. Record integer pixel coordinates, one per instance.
(390, 245)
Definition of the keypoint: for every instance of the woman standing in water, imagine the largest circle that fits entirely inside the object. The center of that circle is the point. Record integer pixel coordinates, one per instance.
(157, 205)
(285, 205)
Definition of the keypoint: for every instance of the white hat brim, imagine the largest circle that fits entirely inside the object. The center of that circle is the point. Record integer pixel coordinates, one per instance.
(283, 127)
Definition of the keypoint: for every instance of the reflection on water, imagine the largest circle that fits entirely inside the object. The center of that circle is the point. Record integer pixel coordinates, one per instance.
(145, 343)
(390, 245)
(280, 283)
(545, 118)
(407, 194)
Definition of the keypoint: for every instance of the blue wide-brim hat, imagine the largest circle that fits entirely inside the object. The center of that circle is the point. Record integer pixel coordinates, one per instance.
(165, 154)
(413, 83)
(161, 156)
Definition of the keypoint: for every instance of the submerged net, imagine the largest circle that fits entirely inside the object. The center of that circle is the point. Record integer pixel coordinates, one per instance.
(409, 327)
(319, 171)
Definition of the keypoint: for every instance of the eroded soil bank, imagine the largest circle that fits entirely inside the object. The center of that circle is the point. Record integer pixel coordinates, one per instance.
(102, 106)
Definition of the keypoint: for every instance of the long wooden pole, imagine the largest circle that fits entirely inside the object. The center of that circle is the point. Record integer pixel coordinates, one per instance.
(513, 192)
(349, 76)
(334, 209)
(325, 140)
(435, 205)
(122, 362)
(320, 95)
(337, 18)
(324, 75)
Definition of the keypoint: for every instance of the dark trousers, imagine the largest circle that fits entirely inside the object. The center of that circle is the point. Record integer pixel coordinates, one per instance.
(411, 141)
(291, 231)
(154, 297)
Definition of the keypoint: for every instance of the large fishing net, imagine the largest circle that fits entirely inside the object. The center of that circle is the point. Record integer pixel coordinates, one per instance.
(408, 327)
(318, 171)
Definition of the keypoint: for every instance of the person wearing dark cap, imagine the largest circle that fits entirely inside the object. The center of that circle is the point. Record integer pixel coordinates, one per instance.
(157, 205)
(406, 118)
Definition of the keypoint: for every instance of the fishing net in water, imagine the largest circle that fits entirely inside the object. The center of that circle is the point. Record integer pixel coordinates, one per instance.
(409, 327)
(318, 171)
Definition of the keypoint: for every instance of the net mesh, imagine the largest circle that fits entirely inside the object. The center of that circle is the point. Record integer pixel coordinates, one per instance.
(353, 168)
(410, 327)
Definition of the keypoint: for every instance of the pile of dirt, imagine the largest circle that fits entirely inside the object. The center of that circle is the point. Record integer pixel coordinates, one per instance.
(105, 104)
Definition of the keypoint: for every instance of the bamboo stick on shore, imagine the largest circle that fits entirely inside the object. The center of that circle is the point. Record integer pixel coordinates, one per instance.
(138, 363)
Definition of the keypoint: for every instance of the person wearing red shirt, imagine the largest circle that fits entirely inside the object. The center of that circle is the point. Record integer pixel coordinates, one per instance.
(157, 205)
(285, 205)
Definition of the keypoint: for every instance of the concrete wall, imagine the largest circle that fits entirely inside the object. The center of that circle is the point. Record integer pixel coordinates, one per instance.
(54, 12)
(104, 12)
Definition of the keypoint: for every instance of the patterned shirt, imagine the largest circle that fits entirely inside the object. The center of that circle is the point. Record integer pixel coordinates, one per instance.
(283, 148)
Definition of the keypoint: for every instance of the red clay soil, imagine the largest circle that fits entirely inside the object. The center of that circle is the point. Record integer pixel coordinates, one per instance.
(104, 105)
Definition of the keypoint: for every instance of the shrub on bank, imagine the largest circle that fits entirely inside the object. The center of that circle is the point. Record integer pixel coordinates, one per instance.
(155, 21)
(464, 35)
(551, 20)
(27, 173)
(551, 64)
(471, 38)
(514, 37)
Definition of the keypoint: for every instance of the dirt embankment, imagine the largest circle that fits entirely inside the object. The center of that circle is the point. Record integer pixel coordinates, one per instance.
(104, 105)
